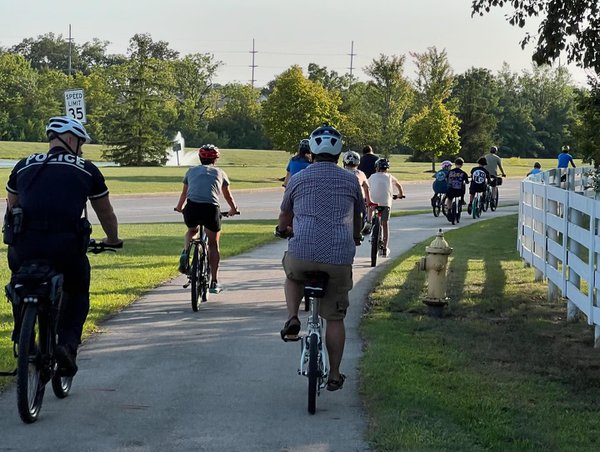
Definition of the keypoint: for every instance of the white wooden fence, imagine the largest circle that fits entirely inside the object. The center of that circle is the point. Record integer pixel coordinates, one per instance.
(559, 235)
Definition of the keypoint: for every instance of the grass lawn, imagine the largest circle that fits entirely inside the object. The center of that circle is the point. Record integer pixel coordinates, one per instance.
(501, 371)
(245, 168)
(150, 257)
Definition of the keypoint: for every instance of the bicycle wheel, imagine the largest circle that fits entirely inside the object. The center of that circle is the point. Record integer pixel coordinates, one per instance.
(444, 208)
(452, 215)
(30, 386)
(458, 210)
(436, 205)
(475, 207)
(484, 202)
(375, 241)
(61, 385)
(494, 200)
(204, 272)
(313, 372)
(194, 279)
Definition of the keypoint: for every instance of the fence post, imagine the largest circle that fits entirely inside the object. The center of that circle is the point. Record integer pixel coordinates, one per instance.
(552, 208)
(572, 246)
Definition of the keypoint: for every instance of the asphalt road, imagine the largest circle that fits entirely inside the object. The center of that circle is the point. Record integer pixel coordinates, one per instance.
(159, 377)
(264, 204)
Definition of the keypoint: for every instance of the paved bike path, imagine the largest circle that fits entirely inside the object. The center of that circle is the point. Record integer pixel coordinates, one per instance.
(163, 378)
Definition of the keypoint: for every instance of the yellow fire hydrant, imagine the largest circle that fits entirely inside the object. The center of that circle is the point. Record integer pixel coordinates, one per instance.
(435, 264)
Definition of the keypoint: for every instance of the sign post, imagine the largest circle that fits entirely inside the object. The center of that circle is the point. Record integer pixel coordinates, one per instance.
(75, 104)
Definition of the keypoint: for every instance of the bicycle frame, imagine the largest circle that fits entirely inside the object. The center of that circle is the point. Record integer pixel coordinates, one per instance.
(315, 326)
(314, 361)
(199, 270)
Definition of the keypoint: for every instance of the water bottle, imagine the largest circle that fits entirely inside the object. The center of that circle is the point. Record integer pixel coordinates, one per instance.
(17, 217)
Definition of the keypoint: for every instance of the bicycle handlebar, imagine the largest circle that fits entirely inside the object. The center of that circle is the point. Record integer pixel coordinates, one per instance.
(100, 247)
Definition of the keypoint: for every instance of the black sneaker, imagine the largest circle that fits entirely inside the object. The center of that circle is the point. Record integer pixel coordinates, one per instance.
(65, 357)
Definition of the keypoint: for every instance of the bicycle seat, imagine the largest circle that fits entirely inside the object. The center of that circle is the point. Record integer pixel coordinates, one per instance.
(315, 284)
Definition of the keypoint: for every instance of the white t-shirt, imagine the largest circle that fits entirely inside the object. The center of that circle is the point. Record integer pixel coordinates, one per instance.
(381, 188)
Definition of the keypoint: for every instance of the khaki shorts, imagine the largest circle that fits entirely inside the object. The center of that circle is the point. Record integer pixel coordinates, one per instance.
(335, 303)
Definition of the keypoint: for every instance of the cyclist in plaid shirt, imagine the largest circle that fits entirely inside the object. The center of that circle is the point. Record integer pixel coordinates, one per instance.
(324, 206)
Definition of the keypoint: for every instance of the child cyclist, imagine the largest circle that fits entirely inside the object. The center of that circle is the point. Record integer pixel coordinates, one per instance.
(480, 177)
(457, 182)
(440, 184)
(381, 189)
(202, 186)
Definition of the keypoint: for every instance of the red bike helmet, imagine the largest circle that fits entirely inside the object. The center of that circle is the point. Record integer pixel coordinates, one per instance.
(209, 152)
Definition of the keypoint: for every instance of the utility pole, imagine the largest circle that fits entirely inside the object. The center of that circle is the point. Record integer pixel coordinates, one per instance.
(253, 52)
(352, 55)
(70, 48)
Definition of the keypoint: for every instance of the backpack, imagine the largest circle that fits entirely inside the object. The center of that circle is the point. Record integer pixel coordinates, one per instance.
(440, 184)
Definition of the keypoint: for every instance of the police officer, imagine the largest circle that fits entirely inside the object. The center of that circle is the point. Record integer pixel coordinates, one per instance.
(52, 190)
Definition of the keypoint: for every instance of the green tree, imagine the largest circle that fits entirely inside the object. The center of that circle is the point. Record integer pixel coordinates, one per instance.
(515, 132)
(434, 132)
(145, 88)
(434, 76)
(296, 107)
(570, 26)
(477, 94)
(193, 78)
(388, 96)
(48, 51)
(588, 122)
(238, 121)
(552, 98)
(17, 81)
(330, 80)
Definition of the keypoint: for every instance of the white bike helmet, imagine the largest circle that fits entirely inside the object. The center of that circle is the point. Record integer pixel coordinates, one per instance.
(351, 158)
(325, 140)
(65, 124)
(446, 164)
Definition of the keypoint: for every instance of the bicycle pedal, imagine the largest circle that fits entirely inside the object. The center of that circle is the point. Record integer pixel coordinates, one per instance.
(292, 338)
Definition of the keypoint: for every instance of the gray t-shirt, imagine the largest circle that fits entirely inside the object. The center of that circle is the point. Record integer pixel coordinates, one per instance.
(205, 183)
(492, 164)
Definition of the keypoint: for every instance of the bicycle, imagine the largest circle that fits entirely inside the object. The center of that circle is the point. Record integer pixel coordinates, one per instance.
(35, 290)
(314, 361)
(199, 272)
(438, 203)
(455, 210)
(477, 205)
(377, 245)
(495, 182)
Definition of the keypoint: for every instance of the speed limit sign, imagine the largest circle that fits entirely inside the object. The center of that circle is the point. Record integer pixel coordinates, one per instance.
(75, 104)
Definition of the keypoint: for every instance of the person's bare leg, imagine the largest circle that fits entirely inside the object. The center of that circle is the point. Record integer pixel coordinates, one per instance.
(293, 296)
(386, 232)
(335, 338)
(214, 255)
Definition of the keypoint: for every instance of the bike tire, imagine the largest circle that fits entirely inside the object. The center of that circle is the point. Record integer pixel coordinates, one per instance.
(485, 202)
(204, 274)
(61, 385)
(452, 216)
(444, 208)
(374, 242)
(313, 372)
(194, 280)
(474, 207)
(494, 201)
(458, 207)
(30, 387)
(436, 205)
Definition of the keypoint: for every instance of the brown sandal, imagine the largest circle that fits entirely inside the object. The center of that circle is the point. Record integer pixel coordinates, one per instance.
(334, 385)
(291, 329)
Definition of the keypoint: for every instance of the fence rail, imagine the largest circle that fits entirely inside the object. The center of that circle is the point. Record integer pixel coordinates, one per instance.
(559, 235)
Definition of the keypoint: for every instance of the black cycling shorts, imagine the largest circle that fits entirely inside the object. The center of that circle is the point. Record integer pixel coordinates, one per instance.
(206, 214)
(477, 188)
(455, 193)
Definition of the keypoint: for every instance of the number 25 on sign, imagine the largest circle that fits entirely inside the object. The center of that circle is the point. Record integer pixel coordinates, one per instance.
(75, 104)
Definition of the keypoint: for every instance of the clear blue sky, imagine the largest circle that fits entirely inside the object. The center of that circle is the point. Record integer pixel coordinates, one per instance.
(286, 32)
